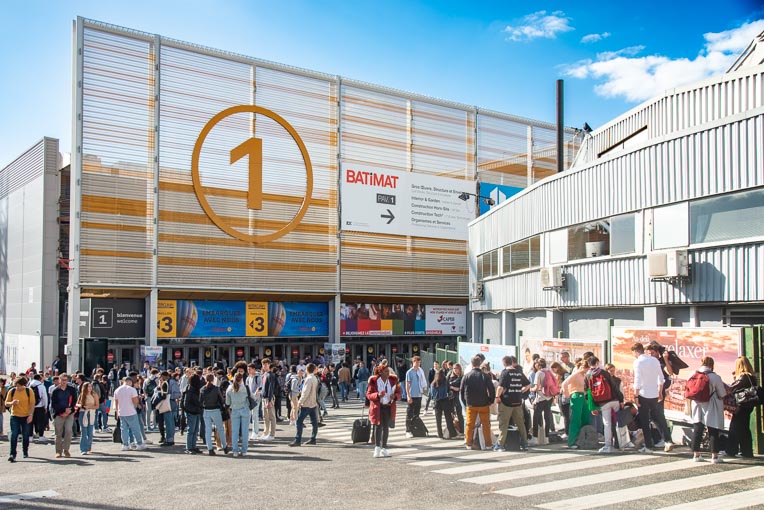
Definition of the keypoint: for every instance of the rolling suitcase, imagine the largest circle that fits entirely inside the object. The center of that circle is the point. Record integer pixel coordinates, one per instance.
(417, 427)
(512, 444)
(361, 430)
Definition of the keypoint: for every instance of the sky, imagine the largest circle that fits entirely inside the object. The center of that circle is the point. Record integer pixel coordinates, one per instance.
(497, 55)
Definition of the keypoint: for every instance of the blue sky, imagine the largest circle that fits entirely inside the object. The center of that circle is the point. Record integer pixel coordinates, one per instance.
(502, 56)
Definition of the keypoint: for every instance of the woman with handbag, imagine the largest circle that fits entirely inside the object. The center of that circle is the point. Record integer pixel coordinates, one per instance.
(739, 442)
(454, 383)
(87, 405)
(443, 406)
(383, 392)
(164, 416)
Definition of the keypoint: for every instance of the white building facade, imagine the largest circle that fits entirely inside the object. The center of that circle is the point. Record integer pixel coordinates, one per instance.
(659, 222)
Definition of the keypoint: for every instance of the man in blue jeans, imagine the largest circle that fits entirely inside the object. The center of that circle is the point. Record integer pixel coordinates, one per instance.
(125, 400)
(307, 406)
(20, 400)
(416, 385)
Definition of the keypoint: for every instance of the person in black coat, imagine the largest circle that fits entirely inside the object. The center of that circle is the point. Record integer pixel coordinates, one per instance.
(739, 441)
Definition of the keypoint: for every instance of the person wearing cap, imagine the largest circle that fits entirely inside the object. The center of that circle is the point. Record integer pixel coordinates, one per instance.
(20, 400)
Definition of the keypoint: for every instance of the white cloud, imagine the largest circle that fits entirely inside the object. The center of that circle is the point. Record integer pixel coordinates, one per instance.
(593, 38)
(539, 25)
(640, 78)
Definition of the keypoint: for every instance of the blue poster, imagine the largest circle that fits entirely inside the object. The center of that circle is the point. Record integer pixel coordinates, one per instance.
(211, 318)
(498, 192)
(298, 319)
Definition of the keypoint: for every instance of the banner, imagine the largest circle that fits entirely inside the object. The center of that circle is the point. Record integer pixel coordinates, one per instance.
(493, 355)
(334, 353)
(690, 344)
(364, 319)
(195, 319)
(497, 192)
(550, 349)
(151, 354)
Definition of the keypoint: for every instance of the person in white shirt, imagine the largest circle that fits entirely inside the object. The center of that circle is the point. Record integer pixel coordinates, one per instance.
(125, 399)
(648, 388)
(253, 382)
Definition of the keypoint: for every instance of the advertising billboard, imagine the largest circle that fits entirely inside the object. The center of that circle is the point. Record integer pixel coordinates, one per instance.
(405, 203)
(690, 344)
(365, 319)
(497, 192)
(493, 354)
(550, 349)
(194, 319)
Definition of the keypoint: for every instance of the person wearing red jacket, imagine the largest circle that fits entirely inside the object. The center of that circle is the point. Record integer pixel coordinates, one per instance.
(383, 392)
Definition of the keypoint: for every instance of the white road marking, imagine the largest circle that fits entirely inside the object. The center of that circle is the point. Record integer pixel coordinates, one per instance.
(484, 466)
(726, 502)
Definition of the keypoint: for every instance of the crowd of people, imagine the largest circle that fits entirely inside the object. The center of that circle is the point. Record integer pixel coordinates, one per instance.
(224, 406)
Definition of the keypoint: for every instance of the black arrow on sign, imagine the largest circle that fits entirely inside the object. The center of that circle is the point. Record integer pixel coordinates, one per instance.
(388, 215)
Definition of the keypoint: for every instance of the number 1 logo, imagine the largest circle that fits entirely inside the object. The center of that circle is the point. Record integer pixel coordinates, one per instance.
(252, 149)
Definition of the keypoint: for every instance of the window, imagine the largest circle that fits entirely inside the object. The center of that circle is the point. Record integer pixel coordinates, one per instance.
(558, 246)
(622, 234)
(734, 216)
(670, 226)
(589, 240)
(522, 255)
(488, 265)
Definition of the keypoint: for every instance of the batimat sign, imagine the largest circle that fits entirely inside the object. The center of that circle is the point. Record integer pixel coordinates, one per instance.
(405, 203)
(365, 319)
(195, 319)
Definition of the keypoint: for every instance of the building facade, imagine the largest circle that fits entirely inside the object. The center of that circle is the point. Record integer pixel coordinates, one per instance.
(222, 207)
(659, 222)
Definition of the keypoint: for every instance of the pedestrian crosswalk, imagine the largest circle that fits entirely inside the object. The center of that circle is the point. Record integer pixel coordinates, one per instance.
(555, 478)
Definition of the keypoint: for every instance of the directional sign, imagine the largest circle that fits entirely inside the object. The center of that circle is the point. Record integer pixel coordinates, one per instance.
(405, 203)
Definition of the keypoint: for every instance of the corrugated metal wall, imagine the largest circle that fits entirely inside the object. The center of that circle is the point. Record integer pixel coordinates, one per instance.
(704, 140)
(339, 120)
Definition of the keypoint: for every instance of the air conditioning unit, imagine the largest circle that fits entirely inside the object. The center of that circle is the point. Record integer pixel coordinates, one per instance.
(552, 278)
(666, 265)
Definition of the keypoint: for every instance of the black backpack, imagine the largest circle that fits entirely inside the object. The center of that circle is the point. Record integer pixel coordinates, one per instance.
(36, 394)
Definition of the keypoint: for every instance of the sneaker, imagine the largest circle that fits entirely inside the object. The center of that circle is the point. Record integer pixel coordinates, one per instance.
(498, 448)
(563, 436)
(295, 443)
(384, 453)
(312, 441)
(107, 430)
(211, 452)
(409, 435)
(606, 449)
(227, 450)
(574, 447)
(645, 449)
(148, 441)
(26, 455)
(629, 445)
(660, 444)
(377, 452)
(240, 454)
(268, 438)
(697, 459)
(143, 446)
(11, 458)
(533, 442)
(468, 446)
(717, 460)
(83, 453)
(488, 448)
(722, 453)
(124, 449)
(670, 446)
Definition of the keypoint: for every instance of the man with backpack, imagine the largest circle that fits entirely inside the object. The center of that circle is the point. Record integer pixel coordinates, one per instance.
(416, 385)
(509, 396)
(40, 417)
(477, 392)
(149, 387)
(648, 388)
(20, 400)
(606, 399)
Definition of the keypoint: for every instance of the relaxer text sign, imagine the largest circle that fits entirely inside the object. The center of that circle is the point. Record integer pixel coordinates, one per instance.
(405, 203)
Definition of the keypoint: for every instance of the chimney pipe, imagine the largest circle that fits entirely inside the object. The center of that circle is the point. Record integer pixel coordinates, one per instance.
(560, 129)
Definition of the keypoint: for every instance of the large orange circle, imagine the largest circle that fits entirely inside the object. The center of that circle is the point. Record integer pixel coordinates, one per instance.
(199, 190)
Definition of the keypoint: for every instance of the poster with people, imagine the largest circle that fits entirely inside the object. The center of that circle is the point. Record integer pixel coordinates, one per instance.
(690, 344)
(551, 348)
(387, 319)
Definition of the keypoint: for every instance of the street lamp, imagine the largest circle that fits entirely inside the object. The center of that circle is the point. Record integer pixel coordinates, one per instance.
(466, 196)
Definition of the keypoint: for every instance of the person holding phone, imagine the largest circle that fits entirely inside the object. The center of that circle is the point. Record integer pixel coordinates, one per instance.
(383, 392)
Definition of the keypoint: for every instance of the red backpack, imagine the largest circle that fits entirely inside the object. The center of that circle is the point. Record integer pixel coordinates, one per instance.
(600, 388)
(698, 387)
(551, 386)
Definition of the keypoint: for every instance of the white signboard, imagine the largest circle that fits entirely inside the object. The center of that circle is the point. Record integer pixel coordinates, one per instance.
(405, 203)
(493, 354)
(446, 320)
